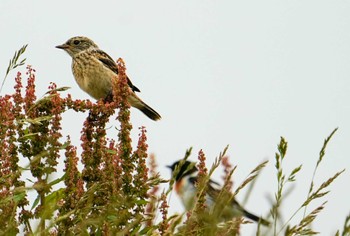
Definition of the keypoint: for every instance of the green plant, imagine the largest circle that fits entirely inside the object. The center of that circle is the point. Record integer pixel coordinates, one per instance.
(115, 192)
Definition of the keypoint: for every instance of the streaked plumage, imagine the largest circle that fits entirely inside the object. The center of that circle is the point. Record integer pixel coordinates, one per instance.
(94, 70)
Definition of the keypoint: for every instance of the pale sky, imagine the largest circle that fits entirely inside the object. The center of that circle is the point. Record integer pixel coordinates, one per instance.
(238, 73)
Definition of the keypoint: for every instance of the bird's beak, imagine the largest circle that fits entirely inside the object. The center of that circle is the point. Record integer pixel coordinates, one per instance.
(63, 46)
(168, 167)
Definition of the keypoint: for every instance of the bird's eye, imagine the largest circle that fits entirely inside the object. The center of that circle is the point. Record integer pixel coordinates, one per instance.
(76, 42)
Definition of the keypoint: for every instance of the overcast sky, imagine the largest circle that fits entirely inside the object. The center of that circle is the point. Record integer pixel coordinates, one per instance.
(238, 73)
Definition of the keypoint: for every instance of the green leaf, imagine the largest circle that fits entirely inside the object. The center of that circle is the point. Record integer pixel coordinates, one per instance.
(36, 121)
(109, 151)
(112, 217)
(51, 201)
(35, 203)
(141, 202)
(58, 89)
(28, 136)
(19, 196)
(65, 145)
(56, 181)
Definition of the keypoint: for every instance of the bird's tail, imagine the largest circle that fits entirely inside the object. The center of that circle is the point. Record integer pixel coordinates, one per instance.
(256, 218)
(144, 108)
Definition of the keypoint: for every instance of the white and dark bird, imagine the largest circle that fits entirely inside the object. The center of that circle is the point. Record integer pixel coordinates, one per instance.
(185, 187)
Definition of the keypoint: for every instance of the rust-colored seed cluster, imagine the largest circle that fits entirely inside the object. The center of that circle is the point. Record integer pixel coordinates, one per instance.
(108, 193)
(106, 187)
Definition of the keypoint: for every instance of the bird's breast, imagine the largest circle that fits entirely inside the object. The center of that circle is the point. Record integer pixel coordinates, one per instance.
(186, 192)
(92, 76)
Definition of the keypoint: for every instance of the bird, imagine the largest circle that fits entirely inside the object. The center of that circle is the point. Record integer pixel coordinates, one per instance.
(185, 187)
(94, 70)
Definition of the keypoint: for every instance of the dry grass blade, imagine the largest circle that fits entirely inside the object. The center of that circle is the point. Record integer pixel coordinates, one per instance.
(252, 175)
(323, 149)
(14, 63)
(318, 193)
(291, 177)
(227, 182)
(279, 156)
(217, 161)
(177, 170)
(322, 153)
(302, 227)
(346, 227)
(215, 165)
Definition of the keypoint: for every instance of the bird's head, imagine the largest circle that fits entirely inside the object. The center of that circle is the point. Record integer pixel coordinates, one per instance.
(182, 168)
(76, 45)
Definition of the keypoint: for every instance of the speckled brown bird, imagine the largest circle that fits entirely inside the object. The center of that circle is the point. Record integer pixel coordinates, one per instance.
(94, 70)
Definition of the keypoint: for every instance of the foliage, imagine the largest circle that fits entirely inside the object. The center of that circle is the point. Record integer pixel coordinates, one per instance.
(14, 63)
(108, 188)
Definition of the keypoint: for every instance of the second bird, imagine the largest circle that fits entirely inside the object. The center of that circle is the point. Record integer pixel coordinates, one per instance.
(94, 70)
(185, 186)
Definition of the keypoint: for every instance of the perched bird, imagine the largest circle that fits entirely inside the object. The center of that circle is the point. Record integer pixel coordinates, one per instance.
(185, 180)
(94, 70)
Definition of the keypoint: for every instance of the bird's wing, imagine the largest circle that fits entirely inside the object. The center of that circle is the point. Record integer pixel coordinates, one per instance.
(236, 210)
(110, 64)
(214, 192)
(211, 191)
